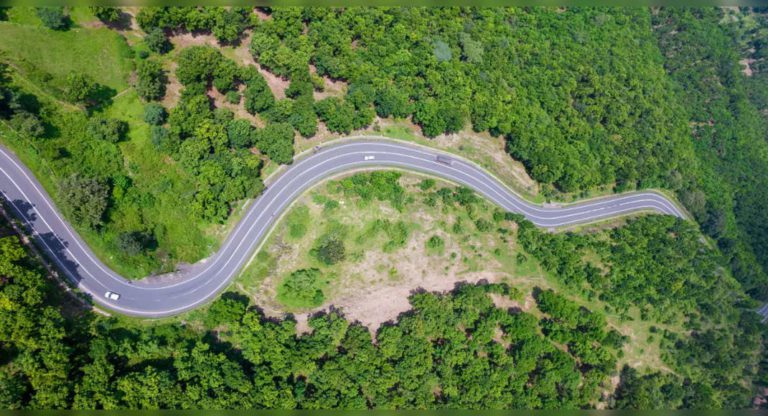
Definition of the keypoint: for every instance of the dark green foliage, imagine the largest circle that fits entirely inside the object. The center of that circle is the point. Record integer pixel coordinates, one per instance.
(27, 124)
(227, 24)
(303, 117)
(155, 114)
(302, 288)
(258, 97)
(233, 97)
(34, 336)
(162, 140)
(240, 134)
(660, 265)
(728, 193)
(203, 65)
(107, 129)
(649, 391)
(157, 42)
(55, 18)
(226, 310)
(338, 115)
(152, 80)
(84, 200)
(106, 14)
(276, 141)
(517, 73)
(330, 251)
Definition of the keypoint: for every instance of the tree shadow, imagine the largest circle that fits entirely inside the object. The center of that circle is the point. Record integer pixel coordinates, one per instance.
(123, 22)
(100, 98)
(50, 244)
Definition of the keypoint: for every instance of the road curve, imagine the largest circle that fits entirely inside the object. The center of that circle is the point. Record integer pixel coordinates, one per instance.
(191, 286)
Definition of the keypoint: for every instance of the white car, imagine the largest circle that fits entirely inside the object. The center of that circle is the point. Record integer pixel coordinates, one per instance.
(112, 295)
(370, 157)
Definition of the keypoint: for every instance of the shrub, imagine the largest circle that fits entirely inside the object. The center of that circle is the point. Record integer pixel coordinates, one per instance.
(330, 251)
(106, 14)
(302, 288)
(233, 97)
(129, 243)
(111, 130)
(435, 243)
(27, 124)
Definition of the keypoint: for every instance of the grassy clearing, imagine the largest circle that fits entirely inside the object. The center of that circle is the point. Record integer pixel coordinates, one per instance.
(46, 56)
(383, 245)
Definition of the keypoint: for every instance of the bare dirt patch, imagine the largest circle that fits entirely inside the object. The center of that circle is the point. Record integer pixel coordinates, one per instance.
(220, 101)
(173, 88)
(331, 88)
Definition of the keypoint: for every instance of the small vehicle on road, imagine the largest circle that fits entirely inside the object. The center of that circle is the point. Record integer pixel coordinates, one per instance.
(444, 160)
(112, 295)
(370, 157)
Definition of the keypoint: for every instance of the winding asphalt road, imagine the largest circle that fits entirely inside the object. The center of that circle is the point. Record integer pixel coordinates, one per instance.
(193, 285)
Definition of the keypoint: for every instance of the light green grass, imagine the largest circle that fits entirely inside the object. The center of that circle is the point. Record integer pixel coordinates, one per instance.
(46, 56)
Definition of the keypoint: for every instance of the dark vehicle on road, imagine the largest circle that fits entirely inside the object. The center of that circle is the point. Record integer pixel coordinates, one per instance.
(444, 160)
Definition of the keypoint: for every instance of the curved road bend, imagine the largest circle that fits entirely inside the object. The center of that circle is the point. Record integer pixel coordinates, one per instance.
(193, 285)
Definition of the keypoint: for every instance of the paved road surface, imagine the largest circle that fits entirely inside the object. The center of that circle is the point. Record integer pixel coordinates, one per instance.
(194, 285)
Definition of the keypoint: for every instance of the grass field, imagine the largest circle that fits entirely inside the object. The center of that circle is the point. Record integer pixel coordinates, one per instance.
(47, 56)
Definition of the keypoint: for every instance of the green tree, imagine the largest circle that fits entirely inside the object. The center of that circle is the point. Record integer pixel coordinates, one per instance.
(80, 88)
(55, 18)
(276, 141)
(151, 80)
(84, 199)
(157, 42)
(106, 14)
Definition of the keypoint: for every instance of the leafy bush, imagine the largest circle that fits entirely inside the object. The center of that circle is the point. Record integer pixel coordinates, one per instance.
(330, 251)
(302, 289)
(107, 129)
(435, 244)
